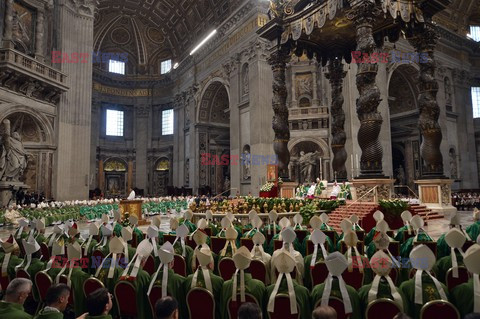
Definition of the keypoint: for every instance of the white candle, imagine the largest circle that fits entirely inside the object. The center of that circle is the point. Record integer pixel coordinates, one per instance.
(358, 165)
(351, 160)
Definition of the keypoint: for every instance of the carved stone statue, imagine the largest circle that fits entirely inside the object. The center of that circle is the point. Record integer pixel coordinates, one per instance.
(246, 161)
(307, 162)
(226, 184)
(453, 165)
(13, 157)
(401, 175)
(246, 84)
(448, 91)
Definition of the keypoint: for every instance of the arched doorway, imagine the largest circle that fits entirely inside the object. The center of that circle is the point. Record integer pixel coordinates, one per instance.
(402, 102)
(307, 162)
(214, 139)
(161, 176)
(115, 177)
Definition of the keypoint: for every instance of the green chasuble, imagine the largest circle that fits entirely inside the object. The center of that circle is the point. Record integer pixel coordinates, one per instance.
(400, 236)
(12, 263)
(35, 266)
(444, 264)
(429, 293)
(117, 230)
(174, 289)
(328, 245)
(254, 287)
(372, 249)
(296, 245)
(139, 234)
(12, 311)
(317, 293)
(191, 226)
(301, 294)
(407, 246)
(462, 298)
(49, 315)
(473, 230)
(383, 292)
(100, 317)
(370, 235)
(141, 283)
(442, 247)
(217, 285)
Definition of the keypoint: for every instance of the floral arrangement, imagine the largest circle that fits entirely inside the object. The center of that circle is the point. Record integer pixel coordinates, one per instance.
(280, 181)
(125, 220)
(267, 187)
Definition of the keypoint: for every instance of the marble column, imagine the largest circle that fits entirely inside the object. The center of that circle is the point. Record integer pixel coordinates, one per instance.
(7, 31)
(141, 144)
(74, 112)
(335, 75)
(101, 177)
(39, 36)
(363, 15)
(278, 61)
(130, 175)
(424, 43)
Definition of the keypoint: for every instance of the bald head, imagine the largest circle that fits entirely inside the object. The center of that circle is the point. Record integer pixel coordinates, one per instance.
(18, 290)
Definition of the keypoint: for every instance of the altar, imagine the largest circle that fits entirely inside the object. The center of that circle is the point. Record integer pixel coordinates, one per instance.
(134, 208)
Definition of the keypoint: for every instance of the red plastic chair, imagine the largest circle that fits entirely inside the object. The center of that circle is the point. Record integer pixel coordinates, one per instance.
(318, 273)
(247, 242)
(180, 265)
(387, 307)
(258, 270)
(217, 244)
(200, 304)
(439, 309)
(282, 308)
(126, 297)
(234, 305)
(452, 282)
(226, 268)
(155, 295)
(43, 281)
(90, 285)
(149, 266)
(45, 252)
(337, 304)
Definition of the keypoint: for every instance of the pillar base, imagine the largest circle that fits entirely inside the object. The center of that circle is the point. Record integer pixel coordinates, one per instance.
(362, 186)
(436, 194)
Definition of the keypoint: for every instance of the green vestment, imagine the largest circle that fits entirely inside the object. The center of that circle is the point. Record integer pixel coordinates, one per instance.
(430, 293)
(383, 292)
(462, 298)
(317, 293)
(175, 288)
(407, 246)
(217, 285)
(254, 287)
(301, 294)
(444, 264)
(49, 315)
(473, 230)
(12, 311)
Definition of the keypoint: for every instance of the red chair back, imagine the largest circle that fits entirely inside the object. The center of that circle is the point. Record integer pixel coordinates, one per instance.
(337, 304)
(282, 308)
(354, 278)
(64, 280)
(247, 242)
(394, 248)
(360, 247)
(234, 305)
(258, 270)
(452, 282)
(43, 282)
(149, 266)
(180, 265)
(134, 242)
(91, 284)
(170, 238)
(439, 309)
(360, 234)
(318, 273)
(45, 252)
(208, 231)
(277, 244)
(126, 298)
(387, 307)
(217, 244)
(21, 273)
(190, 242)
(155, 295)
(226, 268)
(394, 274)
(98, 254)
(200, 304)
(301, 234)
(4, 281)
(330, 234)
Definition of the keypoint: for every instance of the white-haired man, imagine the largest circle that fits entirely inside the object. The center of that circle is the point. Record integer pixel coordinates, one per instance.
(15, 295)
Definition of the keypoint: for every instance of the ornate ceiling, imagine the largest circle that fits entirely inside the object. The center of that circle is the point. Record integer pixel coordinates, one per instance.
(151, 31)
(460, 14)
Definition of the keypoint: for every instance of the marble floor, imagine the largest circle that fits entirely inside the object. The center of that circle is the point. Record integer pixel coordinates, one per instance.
(435, 228)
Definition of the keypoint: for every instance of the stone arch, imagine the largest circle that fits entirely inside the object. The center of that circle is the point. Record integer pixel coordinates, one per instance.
(115, 173)
(215, 91)
(402, 90)
(308, 145)
(321, 144)
(161, 175)
(32, 118)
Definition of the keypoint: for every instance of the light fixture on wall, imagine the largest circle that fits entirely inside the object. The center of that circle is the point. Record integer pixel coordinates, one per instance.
(208, 37)
(175, 66)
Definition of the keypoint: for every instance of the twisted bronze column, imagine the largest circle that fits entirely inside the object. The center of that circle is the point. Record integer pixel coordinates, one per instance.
(363, 15)
(335, 75)
(278, 61)
(424, 43)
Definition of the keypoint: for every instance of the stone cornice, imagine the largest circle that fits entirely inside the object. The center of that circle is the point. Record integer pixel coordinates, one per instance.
(457, 41)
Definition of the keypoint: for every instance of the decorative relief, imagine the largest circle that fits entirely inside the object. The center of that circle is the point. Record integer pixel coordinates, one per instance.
(203, 144)
(121, 92)
(114, 166)
(245, 80)
(120, 36)
(303, 85)
(142, 110)
(23, 26)
(446, 194)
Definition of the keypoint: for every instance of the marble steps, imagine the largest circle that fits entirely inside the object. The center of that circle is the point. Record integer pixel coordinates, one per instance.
(364, 211)
(424, 212)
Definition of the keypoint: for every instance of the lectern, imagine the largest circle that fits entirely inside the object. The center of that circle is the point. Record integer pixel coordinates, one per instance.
(134, 208)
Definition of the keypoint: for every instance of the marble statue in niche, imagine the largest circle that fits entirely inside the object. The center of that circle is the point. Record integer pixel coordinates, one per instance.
(246, 162)
(13, 157)
(307, 162)
(304, 85)
(448, 91)
(245, 80)
(187, 172)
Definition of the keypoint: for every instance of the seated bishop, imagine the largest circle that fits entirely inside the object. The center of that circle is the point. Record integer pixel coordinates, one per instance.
(180, 246)
(406, 230)
(205, 278)
(9, 260)
(382, 285)
(443, 249)
(466, 297)
(377, 216)
(288, 238)
(316, 223)
(187, 220)
(423, 287)
(420, 236)
(284, 224)
(242, 284)
(299, 297)
(318, 255)
(258, 253)
(455, 240)
(334, 286)
(473, 230)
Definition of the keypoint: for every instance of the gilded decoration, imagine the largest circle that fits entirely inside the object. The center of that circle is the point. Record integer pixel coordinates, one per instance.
(163, 165)
(23, 21)
(114, 166)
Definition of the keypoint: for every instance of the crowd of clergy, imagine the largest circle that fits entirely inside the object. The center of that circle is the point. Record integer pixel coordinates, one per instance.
(281, 264)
